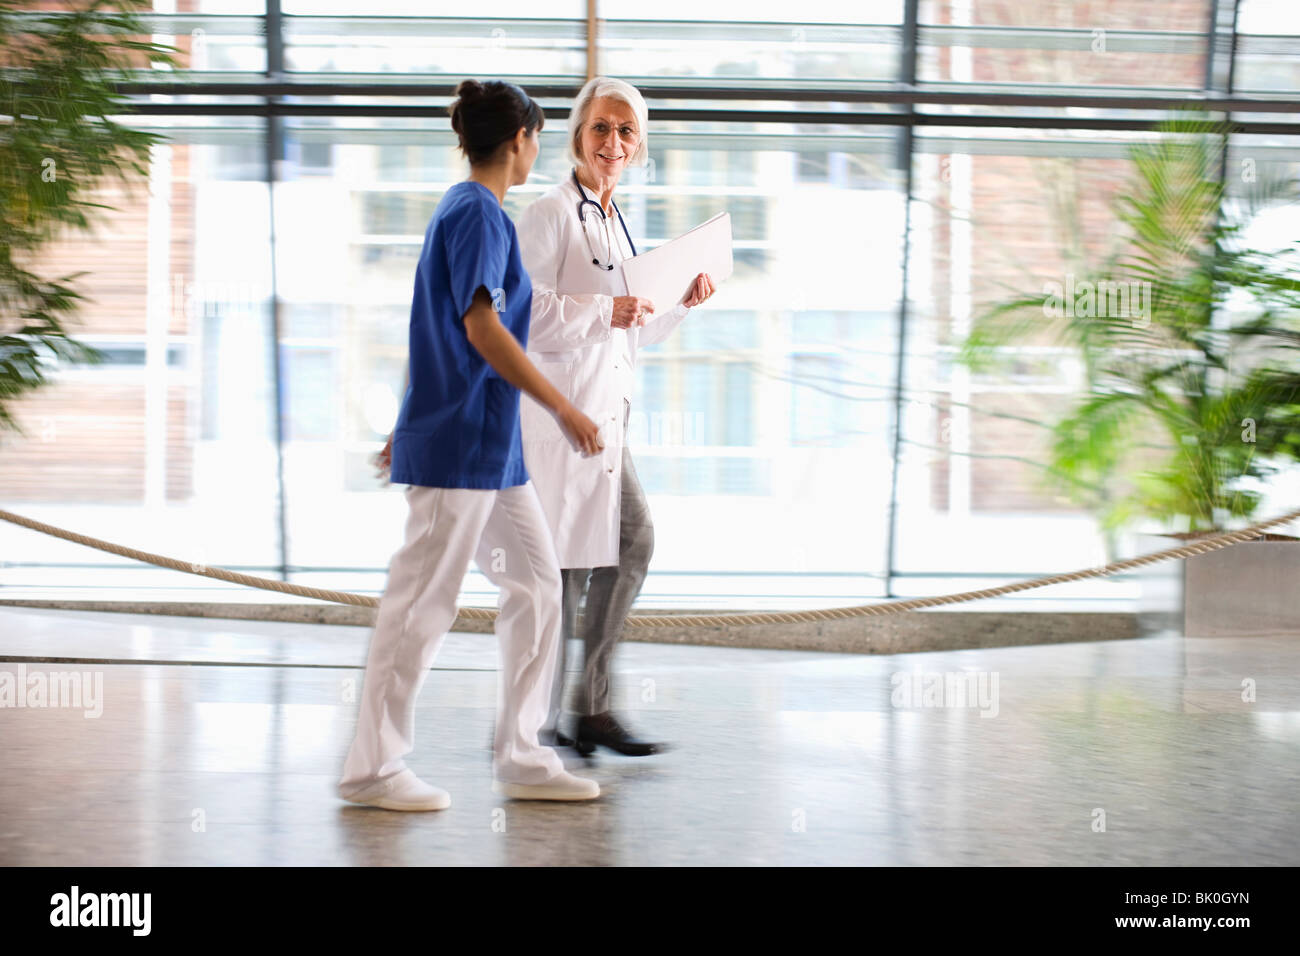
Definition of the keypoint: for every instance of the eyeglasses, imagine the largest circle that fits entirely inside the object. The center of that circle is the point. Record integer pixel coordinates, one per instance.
(627, 134)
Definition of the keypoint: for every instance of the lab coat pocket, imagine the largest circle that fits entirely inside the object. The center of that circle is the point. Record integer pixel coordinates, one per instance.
(609, 428)
(558, 368)
(536, 422)
(611, 437)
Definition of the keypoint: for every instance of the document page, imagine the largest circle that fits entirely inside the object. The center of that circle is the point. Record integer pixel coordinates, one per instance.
(665, 274)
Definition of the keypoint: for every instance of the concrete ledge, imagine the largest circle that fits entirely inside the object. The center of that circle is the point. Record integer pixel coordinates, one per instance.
(889, 634)
(317, 613)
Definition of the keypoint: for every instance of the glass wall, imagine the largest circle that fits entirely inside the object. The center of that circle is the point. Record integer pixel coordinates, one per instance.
(760, 44)
(1268, 56)
(999, 214)
(169, 445)
(254, 296)
(1061, 45)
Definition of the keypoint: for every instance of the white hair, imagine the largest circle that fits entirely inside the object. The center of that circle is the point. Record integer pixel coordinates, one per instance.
(615, 89)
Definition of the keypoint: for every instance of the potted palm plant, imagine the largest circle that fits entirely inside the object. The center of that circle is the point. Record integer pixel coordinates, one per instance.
(1188, 338)
(56, 144)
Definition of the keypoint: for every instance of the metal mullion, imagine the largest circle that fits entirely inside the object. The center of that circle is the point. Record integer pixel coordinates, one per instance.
(274, 153)
(1232, 48)
(1217, 378)
(726, 116)
(907, 75)
(899, 94)
(1211, 44)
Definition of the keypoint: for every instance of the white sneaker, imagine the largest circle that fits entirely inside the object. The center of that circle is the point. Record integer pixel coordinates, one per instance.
(563, 786)
(402, 791)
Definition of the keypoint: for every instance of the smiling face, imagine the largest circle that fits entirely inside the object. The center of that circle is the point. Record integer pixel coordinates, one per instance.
(609, 139)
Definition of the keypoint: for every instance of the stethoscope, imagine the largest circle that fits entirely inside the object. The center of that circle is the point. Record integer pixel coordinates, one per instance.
(582, 221)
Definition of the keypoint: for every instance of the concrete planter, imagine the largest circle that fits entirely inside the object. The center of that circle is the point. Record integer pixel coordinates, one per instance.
(1246, 590)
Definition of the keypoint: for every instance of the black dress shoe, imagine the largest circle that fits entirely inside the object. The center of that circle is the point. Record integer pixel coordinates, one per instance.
(605, 731)
(564, 740)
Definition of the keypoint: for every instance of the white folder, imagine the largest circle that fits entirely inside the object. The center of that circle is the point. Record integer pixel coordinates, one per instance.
(665, 274)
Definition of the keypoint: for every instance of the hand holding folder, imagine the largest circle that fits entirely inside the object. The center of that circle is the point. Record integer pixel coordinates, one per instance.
(665, 274)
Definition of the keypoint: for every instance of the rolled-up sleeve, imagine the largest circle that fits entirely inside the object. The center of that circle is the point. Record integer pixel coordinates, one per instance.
(560, 322)
(477, 254)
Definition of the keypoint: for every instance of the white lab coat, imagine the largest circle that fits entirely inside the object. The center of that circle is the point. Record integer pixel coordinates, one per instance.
(572, 342)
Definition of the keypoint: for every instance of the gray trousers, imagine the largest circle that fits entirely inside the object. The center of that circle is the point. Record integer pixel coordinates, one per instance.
(610, 593)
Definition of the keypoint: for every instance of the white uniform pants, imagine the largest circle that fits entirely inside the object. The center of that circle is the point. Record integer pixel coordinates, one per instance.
(506, 534)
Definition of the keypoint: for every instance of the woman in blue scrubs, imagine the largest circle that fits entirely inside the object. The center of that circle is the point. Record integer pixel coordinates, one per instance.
(457, 447)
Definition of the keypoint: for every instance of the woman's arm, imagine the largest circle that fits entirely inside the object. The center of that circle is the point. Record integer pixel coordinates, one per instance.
(661, 325)
(559, 322)
(383, 460)
(502, 351)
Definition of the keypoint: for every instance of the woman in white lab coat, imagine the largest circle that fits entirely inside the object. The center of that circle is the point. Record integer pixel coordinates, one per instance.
(584, 337)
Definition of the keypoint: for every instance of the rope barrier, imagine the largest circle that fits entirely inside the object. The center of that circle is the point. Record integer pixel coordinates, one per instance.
(1213, 543)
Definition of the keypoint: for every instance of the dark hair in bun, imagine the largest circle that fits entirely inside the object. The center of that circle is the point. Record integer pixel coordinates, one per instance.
(485, 115)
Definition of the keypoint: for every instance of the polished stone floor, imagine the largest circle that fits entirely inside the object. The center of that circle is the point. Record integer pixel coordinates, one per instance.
(219, 742)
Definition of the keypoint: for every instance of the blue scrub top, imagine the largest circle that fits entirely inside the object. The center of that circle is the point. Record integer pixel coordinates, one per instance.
(459, 423)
